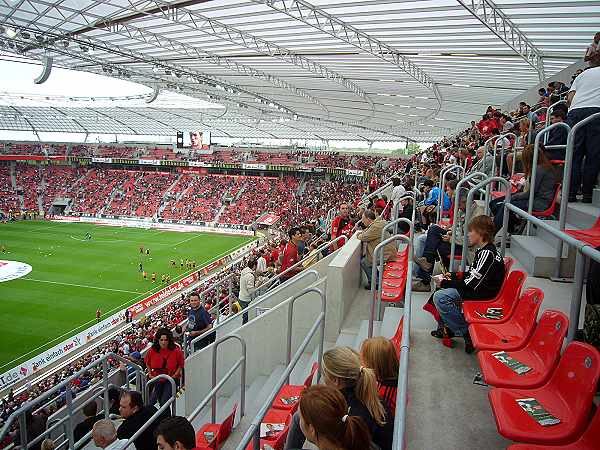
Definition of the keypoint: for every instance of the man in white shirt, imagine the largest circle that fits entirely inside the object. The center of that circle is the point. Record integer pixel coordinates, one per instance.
(584, 100)
(398, 192)
(104, 435)
(261, 264)
(247, 287)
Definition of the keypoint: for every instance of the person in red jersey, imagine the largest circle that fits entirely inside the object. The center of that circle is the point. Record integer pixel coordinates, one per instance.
(165, 357)
(373, 184)
(342, 225)
(290, 254)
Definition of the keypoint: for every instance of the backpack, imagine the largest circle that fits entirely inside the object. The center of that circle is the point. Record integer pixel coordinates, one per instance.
(591, 325)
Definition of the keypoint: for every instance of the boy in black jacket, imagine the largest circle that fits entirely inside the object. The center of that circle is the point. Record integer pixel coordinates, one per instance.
(483, 280)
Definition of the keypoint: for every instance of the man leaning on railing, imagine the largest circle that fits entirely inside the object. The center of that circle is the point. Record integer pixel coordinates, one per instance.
(371, 236)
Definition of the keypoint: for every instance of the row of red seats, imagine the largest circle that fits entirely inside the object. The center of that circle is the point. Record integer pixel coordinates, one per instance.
(563, 385)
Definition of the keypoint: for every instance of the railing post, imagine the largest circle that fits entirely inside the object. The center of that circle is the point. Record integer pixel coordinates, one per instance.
(69, 406)
(442, 184)
(215, 345)
(576, 295)
(536, 151)
(105, 398)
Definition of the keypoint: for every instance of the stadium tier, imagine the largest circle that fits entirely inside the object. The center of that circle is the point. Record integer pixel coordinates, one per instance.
(251, 287)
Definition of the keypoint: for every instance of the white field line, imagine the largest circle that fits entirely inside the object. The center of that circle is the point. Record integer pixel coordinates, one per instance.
(108, 313)
(80, 285)
(185, 240)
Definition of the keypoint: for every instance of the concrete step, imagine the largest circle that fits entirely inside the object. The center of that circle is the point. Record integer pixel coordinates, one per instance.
(538, 256)
(596, 198)
(346, 339)
(546, 236)
(584, 215)
(391, 319)
(363, 333)
(298, 374)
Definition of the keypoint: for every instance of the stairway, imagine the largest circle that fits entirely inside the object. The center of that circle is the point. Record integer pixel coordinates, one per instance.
(537, 253)
(166, 196)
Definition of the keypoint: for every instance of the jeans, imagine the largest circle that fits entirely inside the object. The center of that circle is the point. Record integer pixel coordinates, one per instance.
(244, 306)
(418, 248)
(586, 146)
(448, 303)
(295, 438)
(161, 392)
(497, 208)
(367, 268)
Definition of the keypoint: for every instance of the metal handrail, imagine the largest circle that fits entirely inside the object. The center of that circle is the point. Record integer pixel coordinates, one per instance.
(253, 432)
(566, 185)
(242, 374)
(408, 195)
(455, 213)
(583, 250)
(215, 286)
(156, 415)
(445, 171)
(378, 257)
(503, 148)
(256, 302)
(156, 379)
(469, 211)
(534, 164)
(549, 112)
(19, 414)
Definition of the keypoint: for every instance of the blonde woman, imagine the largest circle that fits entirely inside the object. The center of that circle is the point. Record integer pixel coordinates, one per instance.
(379, 354)
(342, 369)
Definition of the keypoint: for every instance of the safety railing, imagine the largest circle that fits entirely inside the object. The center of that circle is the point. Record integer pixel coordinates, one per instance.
(216, 309)
(584, 251)
(257, 302)
(469, 213)
(442, 185)
(216, 387)
(457, 192)
(566, 185)
(170, 403)
(504, 137)
(253, 432)
(549, 112)
(66, 386)
(408, 195)
(162, 378)
(378, 262)
(534, 164)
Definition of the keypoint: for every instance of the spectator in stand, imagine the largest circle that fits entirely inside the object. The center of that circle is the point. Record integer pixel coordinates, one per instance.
(341, 225)
(427, 207)
(90, 411)
(543, 191)
(526, 111)
(584, 101)
(342, 369)
(199, 322)
(165, 357)
(557, 136)
(371, 236)
(373, 184)
(290, 255)
(48, 444)
(261, 263)
(482, 281)
(325, 421)
(35, 425)
(132, 409)
(247, 287)
(175, 433)
(398, 192)
(523, 137)
(104, 435)
(379, 354)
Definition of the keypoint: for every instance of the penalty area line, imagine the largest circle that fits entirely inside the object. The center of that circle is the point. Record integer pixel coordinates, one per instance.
(80, 285)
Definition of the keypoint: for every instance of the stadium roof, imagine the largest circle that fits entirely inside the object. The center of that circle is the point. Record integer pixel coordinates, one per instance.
(334, 69)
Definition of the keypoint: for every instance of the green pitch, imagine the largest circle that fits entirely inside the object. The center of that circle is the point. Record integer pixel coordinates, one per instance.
(72, 277)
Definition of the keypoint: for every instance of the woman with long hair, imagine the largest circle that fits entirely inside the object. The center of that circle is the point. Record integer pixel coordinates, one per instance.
(325, 421)
(379, 354)
(543, 191)
(342, 369)
(165, 357)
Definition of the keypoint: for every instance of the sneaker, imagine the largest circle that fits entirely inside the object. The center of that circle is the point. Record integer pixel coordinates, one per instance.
(442, 332)
(420, 286)
(424, 264)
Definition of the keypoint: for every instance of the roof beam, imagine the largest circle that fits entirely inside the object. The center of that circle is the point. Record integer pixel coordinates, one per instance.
(319, 19)
(498, 23)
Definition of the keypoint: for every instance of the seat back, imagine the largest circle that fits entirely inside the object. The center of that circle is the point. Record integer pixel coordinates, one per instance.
(511, 290)
(279, 442)
(397, 338)
(226, 427)
(309, 378)
(591, 436)
(550, 211)
(526, 311)
(548, 337)
(576, 378)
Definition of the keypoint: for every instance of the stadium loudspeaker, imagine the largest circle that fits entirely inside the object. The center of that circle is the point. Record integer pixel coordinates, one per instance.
(180, 139)
(154, 95)
(47, 62)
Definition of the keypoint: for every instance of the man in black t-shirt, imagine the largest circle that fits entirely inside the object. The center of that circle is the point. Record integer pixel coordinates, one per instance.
(132, 409)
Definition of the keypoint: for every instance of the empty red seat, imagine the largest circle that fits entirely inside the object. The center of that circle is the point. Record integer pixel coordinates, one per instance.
(589, 440)
(291, 391)
(590, 236)
(507, 299)
(394, 278)
(277, 441)
(541, 354)
(514, 333)
(219, 431)
(275, 444)
(567, 396)
(396, 340)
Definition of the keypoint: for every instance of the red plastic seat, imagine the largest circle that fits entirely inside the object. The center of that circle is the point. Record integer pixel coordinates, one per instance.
(589, 440)
(567, 395)
(397, 338)
(275, 416)
(541, 353)
(507, 299)
(513, 334)
(291, 390)
(221, 432)
(552, 208)
(394, 278)
(590, 236)
(276, 444)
